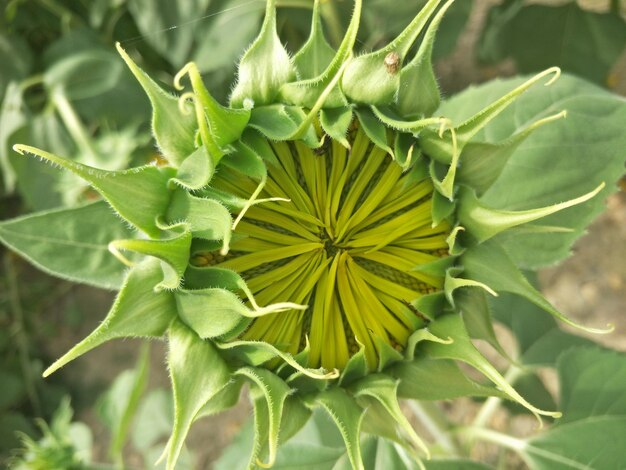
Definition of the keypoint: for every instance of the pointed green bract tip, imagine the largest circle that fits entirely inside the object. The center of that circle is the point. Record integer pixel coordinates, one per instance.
(264, 67)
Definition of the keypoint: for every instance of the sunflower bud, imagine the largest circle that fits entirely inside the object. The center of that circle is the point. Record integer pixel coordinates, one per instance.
(312, 239)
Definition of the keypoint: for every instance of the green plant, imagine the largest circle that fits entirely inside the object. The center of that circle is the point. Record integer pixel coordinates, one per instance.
(332, 236)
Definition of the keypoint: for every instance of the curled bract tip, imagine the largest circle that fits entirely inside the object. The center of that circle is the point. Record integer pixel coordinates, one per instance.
(552, 70)
(182, 103)
(264, 465)
(181, 73)
(19, 148)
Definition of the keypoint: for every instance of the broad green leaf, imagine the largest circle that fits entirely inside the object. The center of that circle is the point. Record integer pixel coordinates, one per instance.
(137, 311)
(40, 186)
(139, 195)
(198, 373)
(321, 431)
(70, 243)
(155, 19)
(437, 379)
(263, 68)
(85, 74)
(594, 443)
(591, 382)
(153, 420)
(535, 175)
(118, 406)
(582, 42)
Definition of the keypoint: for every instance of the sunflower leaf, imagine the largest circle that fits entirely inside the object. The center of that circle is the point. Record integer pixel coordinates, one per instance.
(70, 243)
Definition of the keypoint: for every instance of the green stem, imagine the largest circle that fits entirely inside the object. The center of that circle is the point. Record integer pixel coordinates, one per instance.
(492, 404)
(74, 126)
(436, 424)
(494, 437)
(31, 81)
(19, 330)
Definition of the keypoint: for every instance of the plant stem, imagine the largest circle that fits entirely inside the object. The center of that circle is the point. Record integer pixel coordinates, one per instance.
(74, 125)
(488, 435)
(492, 404)
(436, 424)
(19, 330)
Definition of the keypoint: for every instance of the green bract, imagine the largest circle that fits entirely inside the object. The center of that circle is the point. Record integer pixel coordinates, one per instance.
(330, 238)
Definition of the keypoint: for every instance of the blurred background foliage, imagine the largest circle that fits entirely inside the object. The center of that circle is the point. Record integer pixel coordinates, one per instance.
(63, 88)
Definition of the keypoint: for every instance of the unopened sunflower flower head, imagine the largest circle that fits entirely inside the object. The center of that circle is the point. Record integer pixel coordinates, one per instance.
(322, 238)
